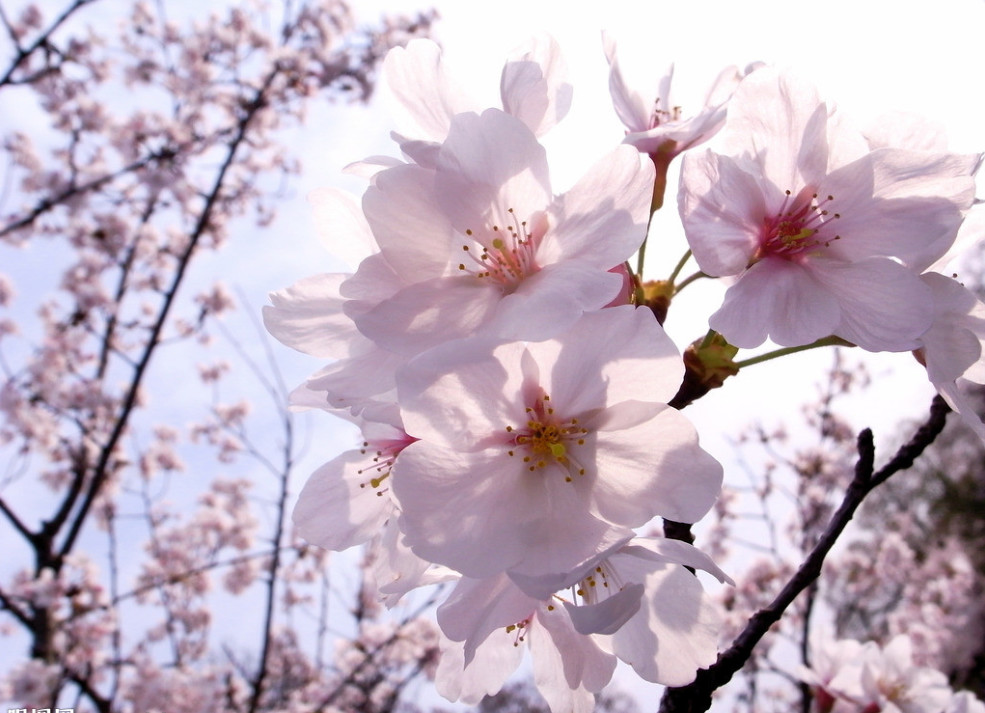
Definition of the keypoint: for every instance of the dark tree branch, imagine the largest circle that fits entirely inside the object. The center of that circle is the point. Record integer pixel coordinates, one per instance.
(696, 696)
(41, 41)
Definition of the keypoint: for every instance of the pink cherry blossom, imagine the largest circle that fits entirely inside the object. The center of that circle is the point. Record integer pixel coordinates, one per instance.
(347, 501)
(951, 348)
(653, 121)
(481, 241)
(535, 457)
(894, 684)
(490, 622)
(821, 235)
(641, 603)
(533, 88)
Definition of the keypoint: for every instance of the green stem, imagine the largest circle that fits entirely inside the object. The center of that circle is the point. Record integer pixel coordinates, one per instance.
(824, 342)
(680, 266)
(661, 162)
(706, 342)
(642, 252)
(688, 280)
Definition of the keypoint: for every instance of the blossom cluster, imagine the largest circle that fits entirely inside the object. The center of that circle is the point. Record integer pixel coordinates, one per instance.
(847, 676)
(512, 399)
(518, 397)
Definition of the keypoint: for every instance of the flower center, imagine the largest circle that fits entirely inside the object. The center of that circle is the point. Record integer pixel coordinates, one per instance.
(798, 229)
(664, 116)
(385, 454)
(519, 630)
(546, 438)
(507, 254)
(595, 587)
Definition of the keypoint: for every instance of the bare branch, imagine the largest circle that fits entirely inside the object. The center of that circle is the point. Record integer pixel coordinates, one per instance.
(697, 696)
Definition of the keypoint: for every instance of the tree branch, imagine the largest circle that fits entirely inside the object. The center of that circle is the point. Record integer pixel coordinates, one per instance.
(696, 696)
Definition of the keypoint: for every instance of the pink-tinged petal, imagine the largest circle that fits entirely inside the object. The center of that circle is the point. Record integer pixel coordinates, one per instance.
(608, 616)
(779, 121)
(423, 153)
(623, 415)
(459, 395)
(416, 77)
(429, 313)
(302, 398)
(373, 282)
(398, 571)
(561, 531)
(551, 301)
(370, 166)
(954, 341)
(478, 607)
(484, 512)
(358, 382)
(534, 85)
(778, 299)
(468, 523)
(633, 108)
(542, 586)
(414, 235)
(904, 130)
(965, 407)
(722, 208)
(674, 634)
(488, 164)
(341, 225)
(494, 662)
(339, 507)
(884, 306)
(308, 317)
(680, 481)
(627, 357)
(602, 219)
(896, 203)
(926, 196)
(568, 667)
(665, 550)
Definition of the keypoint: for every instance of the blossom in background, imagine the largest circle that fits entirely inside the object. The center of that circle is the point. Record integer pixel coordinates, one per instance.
(823, 236)
(849, 677)
(534, 457)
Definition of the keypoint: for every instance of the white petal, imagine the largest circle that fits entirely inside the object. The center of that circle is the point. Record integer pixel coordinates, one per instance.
(338, 507)
(416, 77)
(722, 208)
(607, 616)
(534, 85)
(308, 316)
(779, 299)
(341, 225)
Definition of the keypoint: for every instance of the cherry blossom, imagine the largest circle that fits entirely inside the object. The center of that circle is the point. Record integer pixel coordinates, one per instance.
(654, 123)
(481, 241)
(822, 235)
(534, 457)
(951, 348)
(533, 88)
